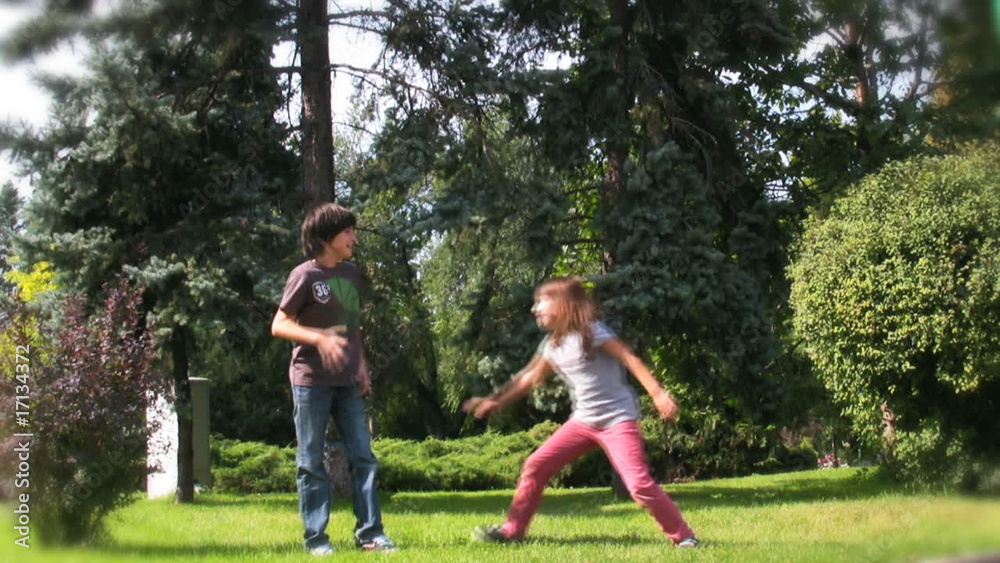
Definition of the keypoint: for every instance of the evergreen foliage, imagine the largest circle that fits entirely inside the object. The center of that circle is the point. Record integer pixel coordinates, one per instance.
(624, 166)
(252, 467)
(164, 162)
(10, 224)
(486, 461)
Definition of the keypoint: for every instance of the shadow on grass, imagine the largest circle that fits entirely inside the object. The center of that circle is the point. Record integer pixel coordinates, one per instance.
(591, 539)
(631, 541)
(263, 503)
(162, 551)
(797, 488)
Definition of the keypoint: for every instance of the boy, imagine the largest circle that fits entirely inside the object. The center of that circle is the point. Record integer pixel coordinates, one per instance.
(320, 312)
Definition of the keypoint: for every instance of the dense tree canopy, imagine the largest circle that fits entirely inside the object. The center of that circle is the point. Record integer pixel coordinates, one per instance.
(669, 151)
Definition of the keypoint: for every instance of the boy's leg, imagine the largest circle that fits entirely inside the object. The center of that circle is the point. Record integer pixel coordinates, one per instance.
(352, 423)
(311, 413)
(572, 440)
(624, 447)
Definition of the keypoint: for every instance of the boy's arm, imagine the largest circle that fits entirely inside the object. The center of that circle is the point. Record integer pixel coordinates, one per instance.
(520, 385)
(664, 402)
(327, 341)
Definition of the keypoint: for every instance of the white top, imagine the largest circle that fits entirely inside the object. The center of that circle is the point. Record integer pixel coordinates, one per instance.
(601, 395)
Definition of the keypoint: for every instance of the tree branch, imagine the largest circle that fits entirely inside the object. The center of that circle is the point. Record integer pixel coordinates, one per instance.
(354, 127)
(357, 72)
(838, 36)
(574, 218)
(850, 106)
(360, 28)
(921, 60)
(358, 14)
(576, 241)
(589, 189)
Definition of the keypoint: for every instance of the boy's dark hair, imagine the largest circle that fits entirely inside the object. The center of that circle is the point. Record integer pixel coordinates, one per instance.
(323, 223)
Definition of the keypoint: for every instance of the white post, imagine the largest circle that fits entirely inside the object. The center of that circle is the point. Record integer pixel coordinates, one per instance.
(161, 449)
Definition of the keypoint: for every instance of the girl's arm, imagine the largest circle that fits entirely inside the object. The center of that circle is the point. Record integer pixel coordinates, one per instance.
(520, 385)
(664, 402)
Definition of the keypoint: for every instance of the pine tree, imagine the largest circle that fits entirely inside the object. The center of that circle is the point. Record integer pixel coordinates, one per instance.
(165, 162)
(10, 205)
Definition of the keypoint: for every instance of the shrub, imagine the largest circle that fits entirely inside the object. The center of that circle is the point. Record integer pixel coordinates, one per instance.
(88, 388)
(252, 467)
(487, 461)
(897, 295)
(705, 445)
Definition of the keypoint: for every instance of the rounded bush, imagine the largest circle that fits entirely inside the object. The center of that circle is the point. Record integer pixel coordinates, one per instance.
(896, 292)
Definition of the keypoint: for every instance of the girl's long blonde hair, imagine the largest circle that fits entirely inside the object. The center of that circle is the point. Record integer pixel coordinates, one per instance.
(573, 310)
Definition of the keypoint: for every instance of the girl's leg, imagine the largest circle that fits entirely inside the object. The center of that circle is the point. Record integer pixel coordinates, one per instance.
(623, 445)
(571, 441)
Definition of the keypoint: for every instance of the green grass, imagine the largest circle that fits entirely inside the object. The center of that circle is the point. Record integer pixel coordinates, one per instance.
(824, 515)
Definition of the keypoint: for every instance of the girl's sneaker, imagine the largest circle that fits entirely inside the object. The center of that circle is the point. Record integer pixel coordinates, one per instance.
(689, 542)
(490, 534)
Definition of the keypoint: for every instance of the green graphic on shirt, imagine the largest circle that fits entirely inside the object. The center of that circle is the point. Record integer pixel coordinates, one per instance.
(350, 302)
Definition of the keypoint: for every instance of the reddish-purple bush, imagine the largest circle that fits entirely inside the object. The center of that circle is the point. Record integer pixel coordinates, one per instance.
(89, 387)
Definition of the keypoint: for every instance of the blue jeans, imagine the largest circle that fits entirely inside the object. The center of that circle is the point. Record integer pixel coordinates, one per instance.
(313, 408)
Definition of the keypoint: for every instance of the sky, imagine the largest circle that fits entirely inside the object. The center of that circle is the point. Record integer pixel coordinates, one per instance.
(23, 102)
(20, 100)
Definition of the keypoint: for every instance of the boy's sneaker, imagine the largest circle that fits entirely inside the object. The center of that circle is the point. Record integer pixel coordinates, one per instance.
(321, 551)
(689, 542)
(490, 534)
(378, 543)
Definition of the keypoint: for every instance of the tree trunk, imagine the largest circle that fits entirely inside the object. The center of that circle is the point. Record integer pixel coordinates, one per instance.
(617, 148)
(182, 404)
(888, 433)
(617, 145)
(865, 90)
(833, 439)
(317, 113)
(335, 460)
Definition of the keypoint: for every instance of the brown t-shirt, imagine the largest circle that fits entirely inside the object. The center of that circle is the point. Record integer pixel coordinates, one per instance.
(321, 297)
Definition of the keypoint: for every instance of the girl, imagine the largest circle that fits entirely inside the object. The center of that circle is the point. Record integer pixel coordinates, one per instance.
(590, 358)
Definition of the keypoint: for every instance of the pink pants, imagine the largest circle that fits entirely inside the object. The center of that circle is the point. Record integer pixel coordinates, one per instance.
(622, 443)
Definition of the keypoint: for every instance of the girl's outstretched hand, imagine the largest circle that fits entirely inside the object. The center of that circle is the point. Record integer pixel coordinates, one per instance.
(667, 407)
(480, 406)
(471, 403)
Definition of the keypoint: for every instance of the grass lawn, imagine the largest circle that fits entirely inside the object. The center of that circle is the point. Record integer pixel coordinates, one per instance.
(822, 515)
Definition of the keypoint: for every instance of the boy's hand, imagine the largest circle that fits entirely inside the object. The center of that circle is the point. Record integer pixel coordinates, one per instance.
(364, 379)
(666, 406)
(331, 348)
